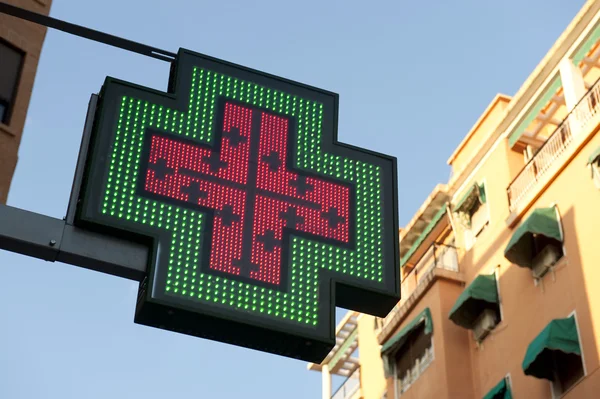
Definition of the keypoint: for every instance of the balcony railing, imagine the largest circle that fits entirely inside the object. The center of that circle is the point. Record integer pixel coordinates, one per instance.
(349, 387)
(413, 374)
(437, 256)
(555, 145)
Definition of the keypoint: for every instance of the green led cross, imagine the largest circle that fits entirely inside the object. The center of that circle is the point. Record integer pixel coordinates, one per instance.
(370, 262)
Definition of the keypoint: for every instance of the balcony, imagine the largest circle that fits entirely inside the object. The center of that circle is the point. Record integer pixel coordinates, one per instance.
(413, 374)
(349, 388)
(540, 166)
(342, 361)
(437, 257)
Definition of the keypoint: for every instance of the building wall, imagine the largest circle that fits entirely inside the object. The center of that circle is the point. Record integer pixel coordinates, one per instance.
(373, 382)
(481, 131)
(442, 379)
(526, 308)
(29, 38)
(503, 350)
(496, 171)
(573, 286)
(422, 388)
(582, 230)
(455, 344)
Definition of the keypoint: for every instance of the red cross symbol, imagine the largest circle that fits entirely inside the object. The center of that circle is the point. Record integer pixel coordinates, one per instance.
(254, 198)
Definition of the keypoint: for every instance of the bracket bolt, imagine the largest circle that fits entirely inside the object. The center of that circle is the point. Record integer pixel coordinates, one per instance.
(52, 243)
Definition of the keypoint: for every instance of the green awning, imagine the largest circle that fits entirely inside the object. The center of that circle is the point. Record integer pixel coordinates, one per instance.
(481, 294)
(482, 195)
(500, 391)
(465, 197)
(594, 156)
(520, 248)
(476, 192)
(395, 343)
(559, 335)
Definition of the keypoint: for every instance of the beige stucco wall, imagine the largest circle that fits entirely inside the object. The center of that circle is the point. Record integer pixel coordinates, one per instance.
(462, 369)
(372, 378)
(450, 347)
(480, 133)
(527, 308)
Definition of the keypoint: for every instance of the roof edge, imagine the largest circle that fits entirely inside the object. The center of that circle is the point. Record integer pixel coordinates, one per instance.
(439, 189)
(497, 98)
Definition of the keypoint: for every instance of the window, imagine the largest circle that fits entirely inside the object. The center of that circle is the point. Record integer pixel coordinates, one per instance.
(479, 218)
(594, 165)
(596, 172)
(472, 214)
(555, 354)
(414, 358)
(546, 253)
(542, 242)
(537, 242)
(10, 73)
(478, 307)
(568, 370)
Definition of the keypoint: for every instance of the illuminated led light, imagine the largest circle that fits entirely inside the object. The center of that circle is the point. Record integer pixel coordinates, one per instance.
(326, 202)
(271, 199)
(253, 207)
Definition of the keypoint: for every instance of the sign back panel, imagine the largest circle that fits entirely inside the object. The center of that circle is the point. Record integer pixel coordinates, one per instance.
(259, 221)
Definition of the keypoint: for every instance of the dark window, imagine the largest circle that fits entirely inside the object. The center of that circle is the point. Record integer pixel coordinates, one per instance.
(568, 370)
(10, 73)
(540, 242)
(596, 172)
(414, 357)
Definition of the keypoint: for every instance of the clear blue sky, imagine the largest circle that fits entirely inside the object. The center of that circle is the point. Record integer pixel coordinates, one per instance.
(413, 77)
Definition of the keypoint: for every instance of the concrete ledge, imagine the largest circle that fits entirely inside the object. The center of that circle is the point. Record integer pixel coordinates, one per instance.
(7, 130)
(424, 285)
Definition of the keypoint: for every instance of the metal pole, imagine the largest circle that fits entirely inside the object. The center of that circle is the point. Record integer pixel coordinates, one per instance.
(56, 240)
(87, 33)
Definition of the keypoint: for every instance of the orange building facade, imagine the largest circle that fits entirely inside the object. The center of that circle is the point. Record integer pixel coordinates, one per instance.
(500, 264)
(20, 47)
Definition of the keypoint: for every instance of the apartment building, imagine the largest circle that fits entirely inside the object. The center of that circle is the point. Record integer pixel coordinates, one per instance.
(499, 266)
(20, 47)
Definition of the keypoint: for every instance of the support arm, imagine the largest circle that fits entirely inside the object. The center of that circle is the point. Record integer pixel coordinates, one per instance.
(54, 240)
